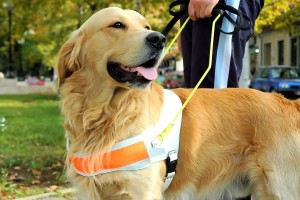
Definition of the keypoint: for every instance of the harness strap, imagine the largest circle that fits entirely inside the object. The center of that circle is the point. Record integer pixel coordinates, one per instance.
(111, 160)
(137, 152)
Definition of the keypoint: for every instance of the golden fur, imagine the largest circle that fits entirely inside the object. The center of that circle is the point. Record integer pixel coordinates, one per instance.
(233, 141)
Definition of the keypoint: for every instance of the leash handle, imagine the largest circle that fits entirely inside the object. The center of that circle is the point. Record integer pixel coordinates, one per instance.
(242, 21)
(176, 15)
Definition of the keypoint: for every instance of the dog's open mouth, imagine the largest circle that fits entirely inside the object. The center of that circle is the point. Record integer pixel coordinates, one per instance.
(142, 73)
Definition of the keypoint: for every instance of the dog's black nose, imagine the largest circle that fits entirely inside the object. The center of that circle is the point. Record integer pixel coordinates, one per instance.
(156, 40)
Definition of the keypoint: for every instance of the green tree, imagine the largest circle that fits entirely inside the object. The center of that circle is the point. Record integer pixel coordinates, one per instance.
(279, 14)
(43, 26)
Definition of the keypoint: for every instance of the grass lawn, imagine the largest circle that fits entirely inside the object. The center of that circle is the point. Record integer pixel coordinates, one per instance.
(32, 147)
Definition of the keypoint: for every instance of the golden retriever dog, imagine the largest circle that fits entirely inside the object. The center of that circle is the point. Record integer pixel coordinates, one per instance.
(233, 142)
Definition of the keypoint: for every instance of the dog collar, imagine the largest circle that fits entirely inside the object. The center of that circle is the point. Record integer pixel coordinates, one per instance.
(139, 152)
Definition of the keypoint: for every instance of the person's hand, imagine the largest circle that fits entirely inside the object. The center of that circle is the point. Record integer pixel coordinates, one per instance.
(201, 8)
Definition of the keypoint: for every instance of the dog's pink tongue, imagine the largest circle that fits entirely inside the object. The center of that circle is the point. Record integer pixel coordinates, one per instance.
(147, 73)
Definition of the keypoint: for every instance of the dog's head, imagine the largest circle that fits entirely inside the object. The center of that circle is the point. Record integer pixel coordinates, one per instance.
(114, 45)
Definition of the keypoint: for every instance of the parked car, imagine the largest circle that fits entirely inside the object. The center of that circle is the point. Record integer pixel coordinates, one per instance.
(35, 81)
(173, 80)
(280, 79)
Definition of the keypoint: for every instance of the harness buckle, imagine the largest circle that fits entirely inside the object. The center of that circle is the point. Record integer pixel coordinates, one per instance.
(156, 142)
(171, 163)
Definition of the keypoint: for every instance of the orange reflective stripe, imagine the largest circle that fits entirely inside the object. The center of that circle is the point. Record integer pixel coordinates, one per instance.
(115, 159)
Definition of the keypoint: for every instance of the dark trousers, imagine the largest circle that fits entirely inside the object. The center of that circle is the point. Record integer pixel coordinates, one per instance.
(195, 39)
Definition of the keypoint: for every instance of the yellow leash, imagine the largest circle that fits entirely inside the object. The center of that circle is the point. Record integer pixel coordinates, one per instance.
(167, 130)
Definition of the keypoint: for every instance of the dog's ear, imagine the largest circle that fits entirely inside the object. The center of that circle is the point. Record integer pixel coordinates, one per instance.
(70, 57)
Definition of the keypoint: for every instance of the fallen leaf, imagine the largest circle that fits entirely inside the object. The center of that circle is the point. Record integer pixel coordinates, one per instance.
(12, 177)
(58, 164)
(55, 172)
(36, 172)
(35, 182)
(24, 188)
(3, 194)
(53, 187)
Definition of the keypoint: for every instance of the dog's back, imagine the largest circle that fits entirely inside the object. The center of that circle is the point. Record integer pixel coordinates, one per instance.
(241, 141)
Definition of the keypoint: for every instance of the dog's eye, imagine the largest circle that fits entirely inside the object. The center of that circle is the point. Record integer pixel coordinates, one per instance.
(118, 25)
(147, 27)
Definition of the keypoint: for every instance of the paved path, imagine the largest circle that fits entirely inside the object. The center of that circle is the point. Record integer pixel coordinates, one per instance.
(12, 86)
(65, 194)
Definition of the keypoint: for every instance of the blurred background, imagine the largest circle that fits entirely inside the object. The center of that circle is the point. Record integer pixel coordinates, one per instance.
(32, 32)
(32, 143)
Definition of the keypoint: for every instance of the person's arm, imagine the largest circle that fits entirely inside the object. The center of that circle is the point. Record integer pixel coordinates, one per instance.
(201, 8)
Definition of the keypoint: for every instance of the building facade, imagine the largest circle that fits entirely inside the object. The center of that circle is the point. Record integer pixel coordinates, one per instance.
(277, 47)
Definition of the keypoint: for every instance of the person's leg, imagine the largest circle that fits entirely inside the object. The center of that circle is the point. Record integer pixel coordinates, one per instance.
(195, 40)
(201, 51)
(186, 44)
(250, 8)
